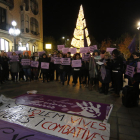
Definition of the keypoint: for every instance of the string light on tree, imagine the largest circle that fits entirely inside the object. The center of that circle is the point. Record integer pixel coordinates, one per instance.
(78, 39)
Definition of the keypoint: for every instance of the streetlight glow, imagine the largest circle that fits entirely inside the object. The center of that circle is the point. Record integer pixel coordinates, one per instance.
(14, 23)
(63, 37)
(48, 46)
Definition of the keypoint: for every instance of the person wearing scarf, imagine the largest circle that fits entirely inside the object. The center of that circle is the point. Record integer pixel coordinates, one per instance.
(105, 77)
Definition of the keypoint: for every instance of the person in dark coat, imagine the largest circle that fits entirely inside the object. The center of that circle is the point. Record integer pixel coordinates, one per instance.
(45, 72)
(117, 72)
(105, 77)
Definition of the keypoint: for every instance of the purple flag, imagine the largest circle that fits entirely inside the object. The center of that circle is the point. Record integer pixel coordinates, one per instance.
(132, 46)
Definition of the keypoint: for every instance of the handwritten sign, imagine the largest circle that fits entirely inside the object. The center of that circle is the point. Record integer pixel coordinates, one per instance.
(65, 61)
(14, 58)
(57, 60)
(84, 50)
(92, 48)
(65, 50)
(130, 70)
(44, 65)
(25, 62)
(55, 123)
(34, 64)
(60, 47)
(72, 50)
(86, 57)
(76, 63)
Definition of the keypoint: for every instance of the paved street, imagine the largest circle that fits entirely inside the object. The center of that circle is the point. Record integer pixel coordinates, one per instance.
(125, 122)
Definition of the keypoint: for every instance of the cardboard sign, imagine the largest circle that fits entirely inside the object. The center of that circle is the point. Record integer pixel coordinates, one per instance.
(34, 64)
(57, 60)
(86, 57)
(29, 52)
(84, 50)
(72, 50)
(76, 63)
(65, 61)
(44, 65)
(56, 123)
(138, 67)
(25, 62)
(130, 70)
(60, 47)
(94, 110)
(14, 58)
(41, 53)
(65, 50)
(92, 48)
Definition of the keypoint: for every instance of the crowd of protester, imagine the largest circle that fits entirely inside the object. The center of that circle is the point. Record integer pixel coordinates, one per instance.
(111, 70)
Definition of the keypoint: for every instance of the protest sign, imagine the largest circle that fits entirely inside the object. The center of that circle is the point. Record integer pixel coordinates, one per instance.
(34, 64)
(76, 63)
(41, 53)
(18, 52)
(65, 61)
(130, 70)
(86, 57)
(72, 50)
(84, 50)
(55, 123)
(57, 60)
(25, 62)
(92, 48)
(52, 59)
(44, 65)
(9, 54)
(138, 67)
(110, 50)
(14, 58)
(29, 52)
(65, 50)
(60, 47)
(13, 131)
(98, 111)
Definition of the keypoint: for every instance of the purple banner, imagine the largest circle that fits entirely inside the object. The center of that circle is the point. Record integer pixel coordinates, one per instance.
(11, 131)
(25, 62)
(88, 109)
(57, 60)
(14, 58)
(44, 65)
(34, 64)
(19, 52)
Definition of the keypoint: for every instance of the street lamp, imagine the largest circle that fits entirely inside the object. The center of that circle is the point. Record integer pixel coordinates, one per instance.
(139, 34)
(14, 32)
(65, 40)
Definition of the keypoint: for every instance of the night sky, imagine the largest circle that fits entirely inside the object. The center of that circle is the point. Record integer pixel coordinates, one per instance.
(104, 18)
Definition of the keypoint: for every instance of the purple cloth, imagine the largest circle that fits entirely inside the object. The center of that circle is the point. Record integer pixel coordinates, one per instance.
(11, 131)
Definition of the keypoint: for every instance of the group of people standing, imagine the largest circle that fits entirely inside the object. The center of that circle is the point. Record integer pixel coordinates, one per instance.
(106, 68)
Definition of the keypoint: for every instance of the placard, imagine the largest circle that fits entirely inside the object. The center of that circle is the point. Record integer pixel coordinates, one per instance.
(130, 70)
(138, 67)
(60, 47)
(41, 53)
(25, 62)
(84, 50)
(65, 61)
(86, 57)
(19, 52)
(57, 60)
(56, 123)
(44, 65)
(92, 48)
(72, 50)
(14, 58)
(34, 64)
(65, 50)
(76, 63)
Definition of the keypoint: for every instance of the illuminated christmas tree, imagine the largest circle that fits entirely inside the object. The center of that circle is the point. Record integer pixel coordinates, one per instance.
(80, 33)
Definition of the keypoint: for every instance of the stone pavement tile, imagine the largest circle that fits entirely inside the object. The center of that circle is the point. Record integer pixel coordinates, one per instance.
(127, 130)
(113, 134)
(124, 115)
(126, 137)
(134, 110)
(137, 132)
(126, 122)
(136, 123)
(113, 114)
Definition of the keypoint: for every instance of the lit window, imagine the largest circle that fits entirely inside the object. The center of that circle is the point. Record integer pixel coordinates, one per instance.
(4, 45)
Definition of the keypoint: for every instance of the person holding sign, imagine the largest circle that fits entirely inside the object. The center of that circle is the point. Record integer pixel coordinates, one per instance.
(25, 61)
(45, 72)
(105, 77)
(77, 69)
